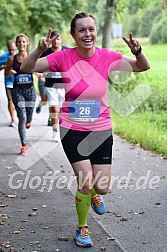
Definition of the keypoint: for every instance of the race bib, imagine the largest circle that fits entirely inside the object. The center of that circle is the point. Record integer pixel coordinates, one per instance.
(84, 110)
(23, 78)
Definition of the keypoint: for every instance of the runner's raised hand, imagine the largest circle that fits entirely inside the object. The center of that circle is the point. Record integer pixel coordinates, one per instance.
(133, 43)
(45, 42)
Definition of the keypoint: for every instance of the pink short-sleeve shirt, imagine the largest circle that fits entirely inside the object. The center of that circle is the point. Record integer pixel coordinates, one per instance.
(86, 81)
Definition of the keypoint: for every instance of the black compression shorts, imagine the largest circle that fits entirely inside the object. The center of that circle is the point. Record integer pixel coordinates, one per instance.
(82, 145)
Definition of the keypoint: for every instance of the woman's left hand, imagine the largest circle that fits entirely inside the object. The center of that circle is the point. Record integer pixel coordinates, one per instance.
(133, 43)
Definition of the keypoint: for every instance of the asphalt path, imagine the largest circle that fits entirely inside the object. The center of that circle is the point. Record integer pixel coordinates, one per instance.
(37, 207)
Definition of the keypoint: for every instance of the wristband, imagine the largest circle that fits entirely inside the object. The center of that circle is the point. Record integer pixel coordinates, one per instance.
(137, 52)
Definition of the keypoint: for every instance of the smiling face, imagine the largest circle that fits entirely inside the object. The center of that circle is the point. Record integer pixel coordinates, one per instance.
(21, 43)
(85, 35)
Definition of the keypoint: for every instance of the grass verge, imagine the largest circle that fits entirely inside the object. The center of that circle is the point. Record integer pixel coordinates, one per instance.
(147, 129)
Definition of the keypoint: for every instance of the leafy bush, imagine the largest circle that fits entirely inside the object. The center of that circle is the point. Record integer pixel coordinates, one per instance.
(157, 100)
(159, 32)
(147, 21)
(134, 24)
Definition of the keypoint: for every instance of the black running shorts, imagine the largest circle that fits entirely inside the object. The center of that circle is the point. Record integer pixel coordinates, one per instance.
(82, 145)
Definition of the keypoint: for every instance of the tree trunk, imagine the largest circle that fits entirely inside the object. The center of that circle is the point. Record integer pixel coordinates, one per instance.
(109, 17)
(32, 42)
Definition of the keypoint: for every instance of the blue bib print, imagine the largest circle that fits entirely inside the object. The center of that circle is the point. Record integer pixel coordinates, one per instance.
(84, 110)
(23, 78)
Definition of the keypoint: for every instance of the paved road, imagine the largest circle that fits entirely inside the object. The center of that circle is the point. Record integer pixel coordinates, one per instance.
(37, 209)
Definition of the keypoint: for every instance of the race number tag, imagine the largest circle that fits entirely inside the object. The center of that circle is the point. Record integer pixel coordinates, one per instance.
(23, 78)
(84, 110)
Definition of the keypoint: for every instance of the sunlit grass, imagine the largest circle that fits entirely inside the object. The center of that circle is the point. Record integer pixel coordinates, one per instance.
(149, 128)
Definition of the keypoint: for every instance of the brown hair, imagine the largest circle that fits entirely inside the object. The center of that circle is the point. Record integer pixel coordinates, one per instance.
(22, 35)
(76, 17)
(54, 33)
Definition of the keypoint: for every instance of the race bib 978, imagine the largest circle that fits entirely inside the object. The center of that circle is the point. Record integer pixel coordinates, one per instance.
(23, 78)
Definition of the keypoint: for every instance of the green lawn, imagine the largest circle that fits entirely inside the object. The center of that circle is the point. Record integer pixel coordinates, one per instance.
(149, 127)
(157, 56)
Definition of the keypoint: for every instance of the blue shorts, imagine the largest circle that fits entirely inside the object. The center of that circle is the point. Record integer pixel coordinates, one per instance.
(83, 145)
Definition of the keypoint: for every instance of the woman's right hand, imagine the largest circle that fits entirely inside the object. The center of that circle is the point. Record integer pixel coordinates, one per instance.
(32, 63)
(45, 42)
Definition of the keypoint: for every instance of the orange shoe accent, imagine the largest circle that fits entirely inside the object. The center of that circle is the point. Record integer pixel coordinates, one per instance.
(82, 237)
(97, 204)
(24, 150)
(97, 201)
(28, 125)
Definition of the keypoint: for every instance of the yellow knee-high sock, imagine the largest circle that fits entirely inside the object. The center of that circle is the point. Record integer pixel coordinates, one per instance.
(82, 202)
(93, 193)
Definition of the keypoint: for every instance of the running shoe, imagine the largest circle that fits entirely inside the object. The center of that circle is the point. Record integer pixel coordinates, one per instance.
(12, 123)
(56, 136)
(24, 150)
(49, 122)
(82, 237)
(98, 205)
(38, 109)
(28, 125)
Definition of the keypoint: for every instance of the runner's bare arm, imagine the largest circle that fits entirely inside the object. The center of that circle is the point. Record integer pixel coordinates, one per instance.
(32, 63)
(8, 69)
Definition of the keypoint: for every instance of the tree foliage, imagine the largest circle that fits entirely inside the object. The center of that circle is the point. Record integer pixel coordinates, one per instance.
(158, 33)
(34, 16)
(114, 11)
(11, 19)
(144, 21)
